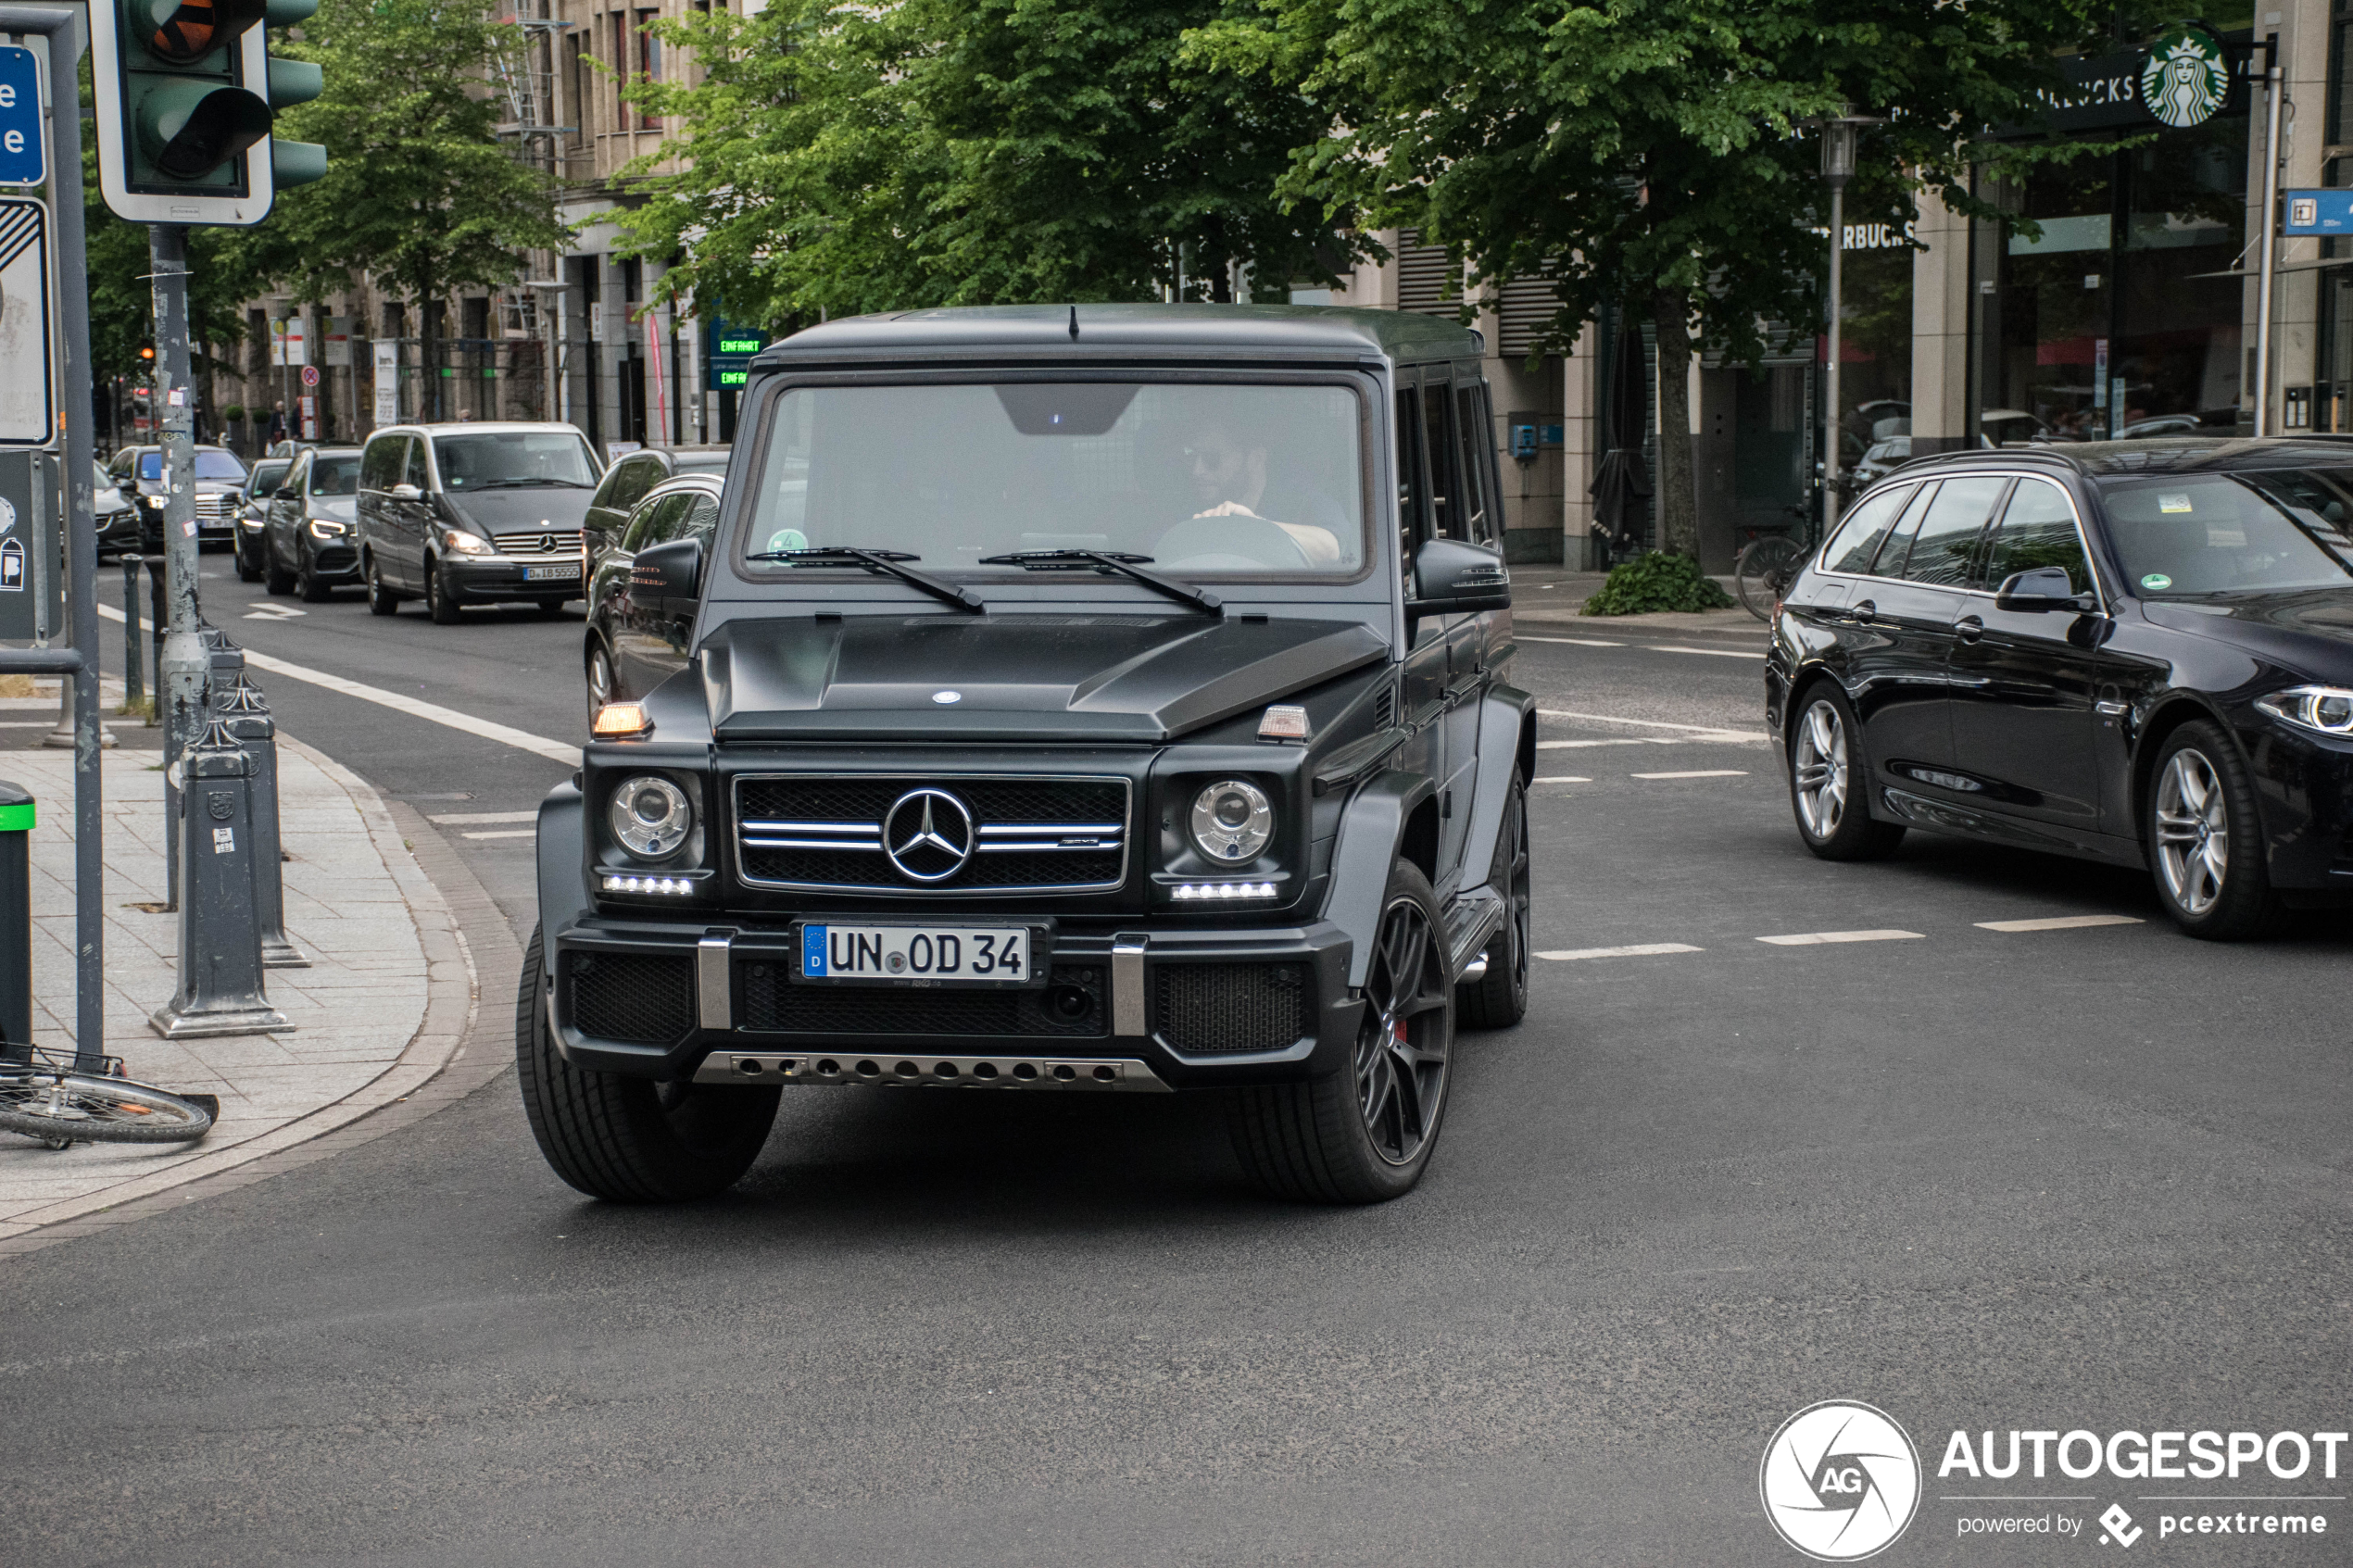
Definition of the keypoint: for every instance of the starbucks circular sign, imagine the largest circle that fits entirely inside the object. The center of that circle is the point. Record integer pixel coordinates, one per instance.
(2184, 80)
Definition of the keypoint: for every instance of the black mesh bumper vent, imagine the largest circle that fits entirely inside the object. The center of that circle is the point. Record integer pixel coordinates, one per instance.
(1211, 1008)
(1072, 1006)
(644, 998)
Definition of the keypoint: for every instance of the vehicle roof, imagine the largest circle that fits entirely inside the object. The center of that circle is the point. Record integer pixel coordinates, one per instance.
(333, 451)
(478, 427)
(157, 446)
(2172, 453)
(714, 482)
(1225, 331)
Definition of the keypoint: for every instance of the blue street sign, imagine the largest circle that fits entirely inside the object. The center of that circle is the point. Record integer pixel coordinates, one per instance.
(2319, 212)
(23, 150)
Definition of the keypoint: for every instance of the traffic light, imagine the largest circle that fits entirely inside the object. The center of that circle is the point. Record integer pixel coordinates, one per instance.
(187, 94)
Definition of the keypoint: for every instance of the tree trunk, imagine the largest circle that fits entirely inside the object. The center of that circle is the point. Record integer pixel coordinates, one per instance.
(428, 357)
(1678, 506)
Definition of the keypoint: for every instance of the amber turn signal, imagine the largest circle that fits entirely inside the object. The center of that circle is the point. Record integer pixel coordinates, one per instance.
(616, 720)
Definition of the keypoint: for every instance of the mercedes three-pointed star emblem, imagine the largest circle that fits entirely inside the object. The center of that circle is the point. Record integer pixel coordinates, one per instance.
(929, 834)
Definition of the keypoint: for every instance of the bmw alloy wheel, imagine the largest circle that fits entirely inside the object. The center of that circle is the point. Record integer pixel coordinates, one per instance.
(2193, 832)
(1817, 770)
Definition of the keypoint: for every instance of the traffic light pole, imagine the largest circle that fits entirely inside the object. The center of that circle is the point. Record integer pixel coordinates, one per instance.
(185, 660)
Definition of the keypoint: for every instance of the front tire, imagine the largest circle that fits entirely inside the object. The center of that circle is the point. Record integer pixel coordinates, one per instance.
(440, 598)
(1499, 999)
(380, 600)
(601, 689)
(1364, 1133)
(306, 579)
(2206, 838)
(275, 577)
(1829, 780)
(623, 1139)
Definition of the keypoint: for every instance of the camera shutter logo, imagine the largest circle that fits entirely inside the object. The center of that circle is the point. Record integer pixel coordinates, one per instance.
(2184, 80)
(1840, 1481)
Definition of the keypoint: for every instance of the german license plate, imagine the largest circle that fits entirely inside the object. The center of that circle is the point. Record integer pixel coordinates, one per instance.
(934, 955)
(567, 571)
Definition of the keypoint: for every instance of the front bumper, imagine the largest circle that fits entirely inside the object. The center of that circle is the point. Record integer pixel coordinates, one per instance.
(477, 579)
(2305, 783)
(1184, 1008)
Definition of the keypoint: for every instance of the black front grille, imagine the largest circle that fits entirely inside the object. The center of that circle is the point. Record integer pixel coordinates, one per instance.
(1211, 1008)
(643, 998)
(773, 1004)
(826, 832)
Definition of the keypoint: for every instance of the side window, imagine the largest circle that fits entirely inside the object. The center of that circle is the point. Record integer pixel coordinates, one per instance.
(1865, 529)
(380, 466)
(700, 520)
(1945, 551)
(418, 473)
(297, 477)
(638, 475)
(656, 523)
(1481, 510)
(2038, 530)
(1412, 493)
(1443, 454)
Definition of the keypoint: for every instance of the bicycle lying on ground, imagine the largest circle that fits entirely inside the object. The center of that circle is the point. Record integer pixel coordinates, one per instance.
(43, 1095)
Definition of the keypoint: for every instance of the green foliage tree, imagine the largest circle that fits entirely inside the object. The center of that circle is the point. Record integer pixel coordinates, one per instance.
(843, 159)
(419, 191)
(1650, 155)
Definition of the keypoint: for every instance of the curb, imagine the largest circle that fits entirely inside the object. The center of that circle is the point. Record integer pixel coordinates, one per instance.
(462, 935)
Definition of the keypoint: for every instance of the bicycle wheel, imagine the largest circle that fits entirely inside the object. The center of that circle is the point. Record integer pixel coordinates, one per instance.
(1764, 571)
(61, 1107)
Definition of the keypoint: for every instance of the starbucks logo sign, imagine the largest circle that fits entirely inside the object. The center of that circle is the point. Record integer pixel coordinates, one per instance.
(2184, 80)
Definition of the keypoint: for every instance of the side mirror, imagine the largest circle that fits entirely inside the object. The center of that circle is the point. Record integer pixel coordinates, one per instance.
(406, 493)
(2044, 588)
(1453, 577)
(668, 571)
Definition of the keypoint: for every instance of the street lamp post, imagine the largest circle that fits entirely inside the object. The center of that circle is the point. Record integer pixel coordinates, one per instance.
(1839, 134)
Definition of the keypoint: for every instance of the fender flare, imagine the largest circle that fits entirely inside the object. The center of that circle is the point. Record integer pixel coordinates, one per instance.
(1369, 834)
(562, 856)
(1506, 736)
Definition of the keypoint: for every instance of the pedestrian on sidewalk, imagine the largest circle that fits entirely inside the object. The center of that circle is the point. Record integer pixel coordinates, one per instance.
(277, 422)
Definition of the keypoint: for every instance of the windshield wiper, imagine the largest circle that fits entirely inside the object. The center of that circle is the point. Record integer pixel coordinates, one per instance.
(882, 563)
(1111, 564)
(535, 481)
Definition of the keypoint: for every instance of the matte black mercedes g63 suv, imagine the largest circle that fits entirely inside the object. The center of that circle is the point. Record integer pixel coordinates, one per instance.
(1108, 699)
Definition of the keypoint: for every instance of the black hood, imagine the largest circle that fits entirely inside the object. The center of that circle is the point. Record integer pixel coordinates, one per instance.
(542, 508)
(1139, 679)
(2309, 630)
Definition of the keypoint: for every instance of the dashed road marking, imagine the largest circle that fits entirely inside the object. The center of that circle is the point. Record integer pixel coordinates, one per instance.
(1620, 740)
(1713, 732)
(1712, 653)
(504, 833)
(1578, 642)
(1563, 778)
(484, 817)
(1641, 950)
(2059, 922)
(1820, 939)
(1697, 773)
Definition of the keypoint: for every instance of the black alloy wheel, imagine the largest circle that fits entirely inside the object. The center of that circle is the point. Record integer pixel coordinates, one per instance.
(275, 577)
(2206, 838)
(246, 570)
(600, 683)
(306, 578)
(380, 598)
(1829, 779)
(440, 597)
(1499, 999)
(1365, 1133)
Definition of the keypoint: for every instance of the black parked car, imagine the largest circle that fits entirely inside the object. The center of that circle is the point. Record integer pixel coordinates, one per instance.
(220, 479)
(308, 545)
(1101, 699)
(461, 514)
(632, 478)
(2136, 652)
(253, 504)
(115, 517)
(635, 642)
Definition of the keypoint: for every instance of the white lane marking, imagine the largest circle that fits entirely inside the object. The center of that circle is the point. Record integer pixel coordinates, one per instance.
(1578, 642)
(1641, 950)
(1713, 731)
(1712, 653)
(265, 611)
(484, 817)
(34, 723)
(504, 833)
(1819, 938)
(2059, 922)
(1563, 778)
(1697, 773)
(1728, 738)
(521, 740)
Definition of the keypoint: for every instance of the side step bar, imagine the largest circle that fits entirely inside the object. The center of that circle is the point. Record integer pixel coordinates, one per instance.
(932, 1072)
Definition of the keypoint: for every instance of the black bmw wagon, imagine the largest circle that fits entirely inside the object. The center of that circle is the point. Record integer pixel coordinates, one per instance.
(2136, 652)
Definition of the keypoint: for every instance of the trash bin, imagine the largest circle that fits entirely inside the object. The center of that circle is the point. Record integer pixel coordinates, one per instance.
(15, 921)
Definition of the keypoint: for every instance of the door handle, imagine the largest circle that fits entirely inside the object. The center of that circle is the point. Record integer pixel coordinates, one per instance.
(1970, 627)
(1862, 612)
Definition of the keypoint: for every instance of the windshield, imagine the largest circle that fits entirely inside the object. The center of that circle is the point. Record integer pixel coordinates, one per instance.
(1206, 479)
(209, 465)
(2234, 534)
(335, 476)
(514, 459)
(266, 477)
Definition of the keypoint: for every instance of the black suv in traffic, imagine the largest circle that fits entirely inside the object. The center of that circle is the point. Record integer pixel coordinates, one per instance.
(1099, 699)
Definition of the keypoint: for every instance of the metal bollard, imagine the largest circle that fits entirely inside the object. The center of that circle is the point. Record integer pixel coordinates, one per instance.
(221, 971)
(246, 716)
(134, 650)
(16, 923)
(221, 662)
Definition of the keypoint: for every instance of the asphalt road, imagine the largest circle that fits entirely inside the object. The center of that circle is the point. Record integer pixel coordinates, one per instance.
(2085, 1178)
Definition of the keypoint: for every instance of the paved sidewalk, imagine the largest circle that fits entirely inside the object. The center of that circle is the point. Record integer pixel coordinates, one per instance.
(1551, 593)
(377, 931)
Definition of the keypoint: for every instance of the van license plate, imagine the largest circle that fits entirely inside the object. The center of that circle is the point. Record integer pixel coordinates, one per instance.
(567, 571)
(934, 955)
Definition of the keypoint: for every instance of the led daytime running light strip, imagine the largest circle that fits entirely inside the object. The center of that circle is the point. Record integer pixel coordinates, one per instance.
(1195, 892)
(648, 884)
